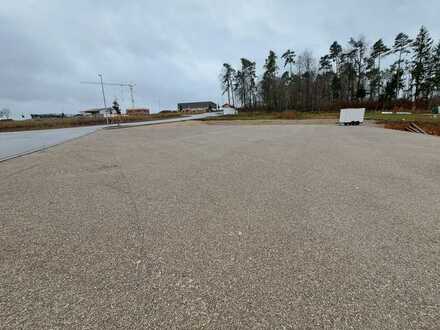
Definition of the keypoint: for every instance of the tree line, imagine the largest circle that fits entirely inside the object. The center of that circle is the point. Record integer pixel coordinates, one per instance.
(354, 74)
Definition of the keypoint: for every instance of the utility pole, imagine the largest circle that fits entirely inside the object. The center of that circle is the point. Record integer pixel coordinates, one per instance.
(103, 96)
(103, 93)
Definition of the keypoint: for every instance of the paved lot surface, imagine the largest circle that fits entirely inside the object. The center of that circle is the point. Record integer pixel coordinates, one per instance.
(191, 225)
(19, 143)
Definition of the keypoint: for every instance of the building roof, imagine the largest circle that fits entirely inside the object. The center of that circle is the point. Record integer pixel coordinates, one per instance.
(201, 104)
(97, 110)
(48, 115)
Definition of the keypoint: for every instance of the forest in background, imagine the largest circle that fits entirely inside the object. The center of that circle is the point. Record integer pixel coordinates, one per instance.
(350, 76)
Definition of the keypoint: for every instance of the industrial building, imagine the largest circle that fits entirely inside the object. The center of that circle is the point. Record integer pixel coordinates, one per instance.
(96, 112)
(207, 106)
(138, 112)
(48, 115)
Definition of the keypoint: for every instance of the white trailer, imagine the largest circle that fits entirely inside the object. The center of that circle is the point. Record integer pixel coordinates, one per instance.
(228, 110)
(352, 116)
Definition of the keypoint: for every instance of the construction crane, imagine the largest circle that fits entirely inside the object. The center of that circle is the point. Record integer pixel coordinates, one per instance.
(130, 86)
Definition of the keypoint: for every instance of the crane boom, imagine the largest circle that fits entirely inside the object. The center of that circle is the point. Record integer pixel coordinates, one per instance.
(130, 86)
(107, 84)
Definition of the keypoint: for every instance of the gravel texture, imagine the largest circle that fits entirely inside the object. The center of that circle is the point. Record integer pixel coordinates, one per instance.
(223, 226)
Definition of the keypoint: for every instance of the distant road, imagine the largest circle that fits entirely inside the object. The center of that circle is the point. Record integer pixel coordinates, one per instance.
(15, 144)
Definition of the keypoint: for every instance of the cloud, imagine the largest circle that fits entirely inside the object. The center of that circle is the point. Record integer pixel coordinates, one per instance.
(172, 50)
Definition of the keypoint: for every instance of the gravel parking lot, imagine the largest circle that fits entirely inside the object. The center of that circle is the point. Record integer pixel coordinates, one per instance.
(223, 226)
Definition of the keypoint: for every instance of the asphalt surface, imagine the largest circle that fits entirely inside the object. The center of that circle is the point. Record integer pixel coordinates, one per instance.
(215, 226)
(13, 144)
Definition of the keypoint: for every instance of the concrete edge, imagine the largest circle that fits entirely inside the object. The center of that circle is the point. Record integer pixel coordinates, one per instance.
(152, 123)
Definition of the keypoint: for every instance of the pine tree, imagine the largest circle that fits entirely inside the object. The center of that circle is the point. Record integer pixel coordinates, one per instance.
(227, 80)
(239, 86)
(401, 45)
(435, 77)
(379, 50)
(325, 64)
(422, 46)
(289, 59)
(335, 53)
(248, 69)
(372, 74)
(358, 52)
(269, 80)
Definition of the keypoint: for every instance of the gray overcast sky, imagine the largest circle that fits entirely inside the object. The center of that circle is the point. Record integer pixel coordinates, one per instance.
(172, 50)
